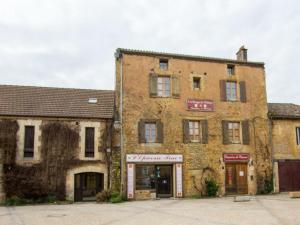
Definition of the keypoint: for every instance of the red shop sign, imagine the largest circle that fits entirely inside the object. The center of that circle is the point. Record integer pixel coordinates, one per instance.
(200, 105)
(229, 157)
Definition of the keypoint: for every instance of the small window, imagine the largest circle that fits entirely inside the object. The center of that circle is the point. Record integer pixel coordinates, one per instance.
(144, 177)
(29, 142)
(89, 141)
(150, 132)
(234, 132)
(163, 64)
(195, 131)
(196, 83)
(231, 91)
(163, 86)
(230, 70)
(298, 135)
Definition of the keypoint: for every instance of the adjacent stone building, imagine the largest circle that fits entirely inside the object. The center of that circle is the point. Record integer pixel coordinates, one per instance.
(285, 127)
(55, 141)
(185, 119)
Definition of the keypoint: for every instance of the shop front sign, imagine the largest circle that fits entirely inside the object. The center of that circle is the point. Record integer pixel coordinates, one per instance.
(240, 157)
(154, 158)
(200, 105)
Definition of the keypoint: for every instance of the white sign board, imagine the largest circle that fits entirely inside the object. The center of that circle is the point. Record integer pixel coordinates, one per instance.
(157, 158)
(130, 178)
(179, 180)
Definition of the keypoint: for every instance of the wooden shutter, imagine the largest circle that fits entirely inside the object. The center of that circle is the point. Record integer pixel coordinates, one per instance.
(153, 84)
(89, 141)
(243, 96)
(225, 132)
(175, 86)
(223, 90)
(186, 134)
(204, 127)
(160, 132)
(141, 131)
(245, 132)
(29, 141)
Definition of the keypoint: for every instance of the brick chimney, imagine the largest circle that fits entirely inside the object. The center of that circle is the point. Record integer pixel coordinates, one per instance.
(241, 55)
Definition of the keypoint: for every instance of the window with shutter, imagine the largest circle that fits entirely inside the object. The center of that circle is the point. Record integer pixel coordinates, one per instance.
(223, 90)
(195, 131)
(234, 132)
(243, 96)
(89, 142)
(225, 132)
(29, 141)
(153, 85)
(245, 132)
(163, 86)
(231, 91)
(175, 86)
(150, 132)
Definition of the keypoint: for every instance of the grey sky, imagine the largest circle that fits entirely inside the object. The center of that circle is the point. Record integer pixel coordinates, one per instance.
(70, 43)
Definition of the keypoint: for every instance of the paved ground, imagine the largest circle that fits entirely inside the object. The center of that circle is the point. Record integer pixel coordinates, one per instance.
(262, 210)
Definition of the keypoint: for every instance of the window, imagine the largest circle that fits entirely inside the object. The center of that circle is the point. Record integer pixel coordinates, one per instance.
(230, 70)
(195, 131)
(89, 141)
(29, 141)
(234, 132)
(231, 92)
(145, 177)
(163, 86)
(298, 135)
(196, 83)
(150, 132)
(163, 64)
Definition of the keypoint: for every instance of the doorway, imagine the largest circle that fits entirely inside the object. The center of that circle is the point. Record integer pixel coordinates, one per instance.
(164, 179)
(236, 181)
(87, 185)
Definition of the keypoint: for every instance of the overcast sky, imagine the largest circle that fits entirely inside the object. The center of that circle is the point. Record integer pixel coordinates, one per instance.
(71, 43)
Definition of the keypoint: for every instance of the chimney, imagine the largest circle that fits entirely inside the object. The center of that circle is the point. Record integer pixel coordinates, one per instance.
(241, 55)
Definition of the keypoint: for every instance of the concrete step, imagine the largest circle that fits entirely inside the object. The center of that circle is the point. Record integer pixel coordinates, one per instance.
(242, 198)
(294, 194)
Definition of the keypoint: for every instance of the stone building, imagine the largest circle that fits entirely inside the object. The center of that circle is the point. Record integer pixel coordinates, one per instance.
(185, 119)
(54, 141)
(285, 125)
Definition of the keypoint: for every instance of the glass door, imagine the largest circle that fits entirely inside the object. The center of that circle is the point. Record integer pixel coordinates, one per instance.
(164, 181)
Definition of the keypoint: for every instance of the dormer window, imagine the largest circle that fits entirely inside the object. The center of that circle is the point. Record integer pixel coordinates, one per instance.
(93, 100)
(163, 64)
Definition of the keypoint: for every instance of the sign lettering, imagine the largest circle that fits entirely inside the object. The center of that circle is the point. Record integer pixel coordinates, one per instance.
(200, 105)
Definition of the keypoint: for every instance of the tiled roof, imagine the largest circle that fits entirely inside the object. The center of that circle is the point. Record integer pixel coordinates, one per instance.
(183, 56)
(284, 110)
(55, 102)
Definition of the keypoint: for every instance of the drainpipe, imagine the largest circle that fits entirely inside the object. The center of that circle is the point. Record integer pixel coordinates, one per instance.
(120, 57)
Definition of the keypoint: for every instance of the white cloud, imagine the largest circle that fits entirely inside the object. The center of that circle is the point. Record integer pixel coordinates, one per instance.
(70, 43)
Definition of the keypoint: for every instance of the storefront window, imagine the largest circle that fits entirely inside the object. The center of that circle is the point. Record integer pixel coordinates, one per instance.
(145, 177)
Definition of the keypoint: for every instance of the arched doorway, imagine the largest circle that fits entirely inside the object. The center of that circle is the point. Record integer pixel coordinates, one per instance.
(87, 185)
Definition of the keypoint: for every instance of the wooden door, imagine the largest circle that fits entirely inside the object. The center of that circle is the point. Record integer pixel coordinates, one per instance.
(236, 178)
(242, 182)
(164, 181)
(289, 176)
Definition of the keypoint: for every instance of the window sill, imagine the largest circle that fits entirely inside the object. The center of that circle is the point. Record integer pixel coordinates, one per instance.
(151, 144)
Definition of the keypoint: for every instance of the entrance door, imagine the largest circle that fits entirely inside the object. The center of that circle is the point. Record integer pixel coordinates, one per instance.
(289, 176)
(236, 178)
(87, 185)
(164, 181)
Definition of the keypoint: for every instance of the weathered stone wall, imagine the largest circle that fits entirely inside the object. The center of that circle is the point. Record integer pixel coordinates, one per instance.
(2, 194)
(284, 144)
(171, 111)
(284, 139)
(77, 161)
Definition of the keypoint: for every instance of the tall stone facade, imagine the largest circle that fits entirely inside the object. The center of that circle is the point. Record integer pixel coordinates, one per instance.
(135, 102)
(285, 127)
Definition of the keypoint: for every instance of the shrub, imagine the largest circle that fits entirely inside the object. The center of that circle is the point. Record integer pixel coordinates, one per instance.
(103, 196)
(116, 198)
(211, 187)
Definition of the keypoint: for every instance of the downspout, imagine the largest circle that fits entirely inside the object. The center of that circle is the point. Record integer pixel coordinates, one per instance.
(121, 120)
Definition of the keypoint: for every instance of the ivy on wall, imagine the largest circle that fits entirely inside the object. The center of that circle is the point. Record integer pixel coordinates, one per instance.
(59, 151)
